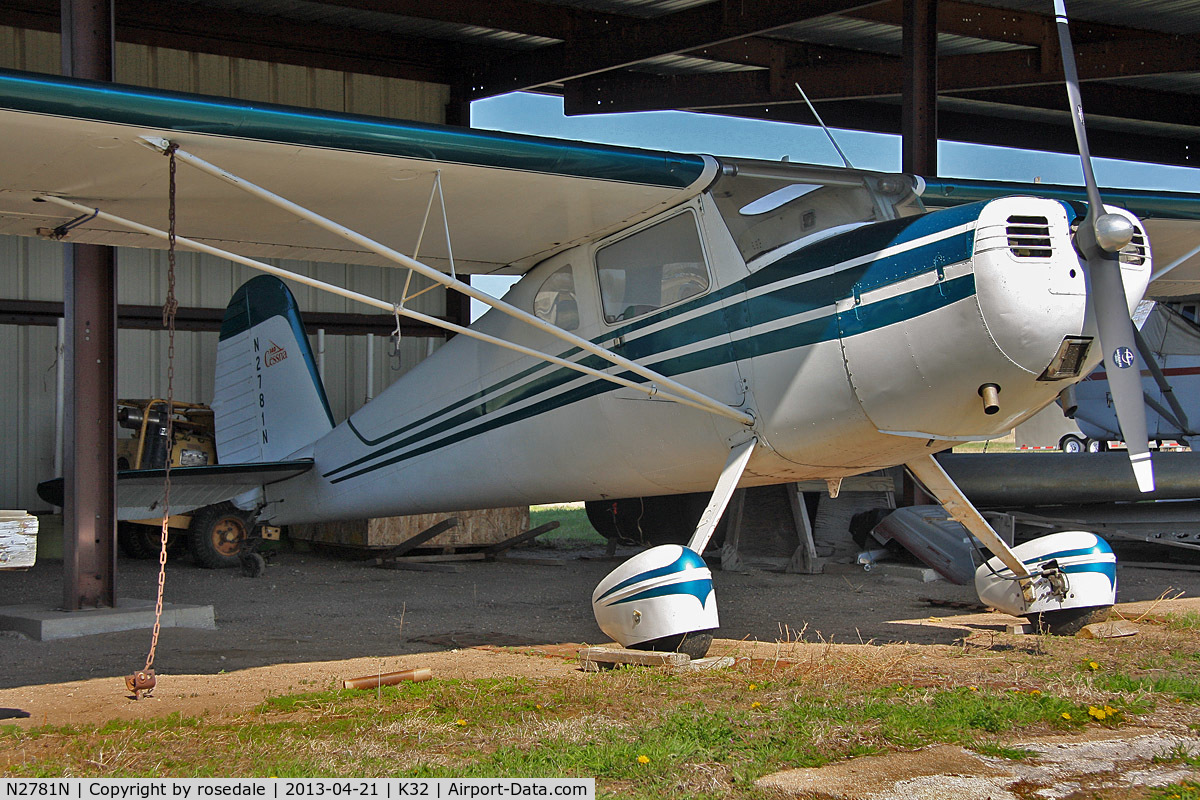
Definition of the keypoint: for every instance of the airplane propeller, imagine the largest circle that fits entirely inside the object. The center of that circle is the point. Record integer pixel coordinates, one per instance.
(1100, 238)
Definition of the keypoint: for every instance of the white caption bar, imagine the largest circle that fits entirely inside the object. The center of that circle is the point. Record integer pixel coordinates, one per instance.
(301, 788)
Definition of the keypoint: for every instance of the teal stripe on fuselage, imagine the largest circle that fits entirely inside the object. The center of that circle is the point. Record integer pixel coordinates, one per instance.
(808, 296)
(927, 299)
(786, 301)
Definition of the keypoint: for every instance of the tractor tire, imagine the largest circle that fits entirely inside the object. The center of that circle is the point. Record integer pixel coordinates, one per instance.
(138, 541)
(217, 535)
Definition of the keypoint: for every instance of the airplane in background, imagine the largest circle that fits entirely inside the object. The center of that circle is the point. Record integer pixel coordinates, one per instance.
(1169, 343)
(682, 322)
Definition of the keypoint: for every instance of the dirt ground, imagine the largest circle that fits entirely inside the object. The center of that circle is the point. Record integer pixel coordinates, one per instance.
(311, 620)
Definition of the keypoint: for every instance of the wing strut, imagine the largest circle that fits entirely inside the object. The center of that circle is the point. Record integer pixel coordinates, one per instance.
(739, 456)
(652, 389)
(930, 473)
(683, 392)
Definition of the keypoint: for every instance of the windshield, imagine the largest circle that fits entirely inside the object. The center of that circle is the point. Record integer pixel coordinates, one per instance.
(767, 205)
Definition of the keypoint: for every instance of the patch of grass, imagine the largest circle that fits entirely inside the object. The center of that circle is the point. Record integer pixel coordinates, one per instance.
(1179, 754)
(574, 530)
(1188, 790)
(1180, 686)
(1000, 751)
(1183, 621)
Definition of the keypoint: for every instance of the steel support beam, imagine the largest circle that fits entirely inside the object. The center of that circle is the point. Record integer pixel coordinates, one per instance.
(918, 118)
(48, 312)
(90, 309)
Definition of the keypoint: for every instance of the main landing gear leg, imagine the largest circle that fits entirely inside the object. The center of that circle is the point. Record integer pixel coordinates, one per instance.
(662, 598)
(1061, 582)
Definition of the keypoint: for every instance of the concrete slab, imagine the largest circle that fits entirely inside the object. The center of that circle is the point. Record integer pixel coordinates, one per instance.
(45, 624)
(908, 571)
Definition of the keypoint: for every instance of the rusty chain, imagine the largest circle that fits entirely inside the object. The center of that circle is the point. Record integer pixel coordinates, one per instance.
(144, 681)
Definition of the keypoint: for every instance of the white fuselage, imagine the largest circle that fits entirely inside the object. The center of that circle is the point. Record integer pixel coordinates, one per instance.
(859, 339)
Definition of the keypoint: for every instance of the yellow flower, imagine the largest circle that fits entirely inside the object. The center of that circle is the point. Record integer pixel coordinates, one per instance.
(1109, 710)
(1098, 713)
(538, 706)
(460, 722)
(973, 688)
(1065, 715)
(756, 704)
(1035, 692)
(753, 686)
(1093, 666)
(643, 759)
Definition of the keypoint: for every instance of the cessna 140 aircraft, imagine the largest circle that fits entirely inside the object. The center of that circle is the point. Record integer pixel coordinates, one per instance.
(682, 322)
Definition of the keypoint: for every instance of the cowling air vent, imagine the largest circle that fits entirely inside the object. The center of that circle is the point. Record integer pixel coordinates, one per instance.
(1029, 237)
(1135, 252)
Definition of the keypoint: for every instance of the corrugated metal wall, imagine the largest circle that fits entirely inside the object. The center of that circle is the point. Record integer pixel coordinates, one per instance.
(31, 269)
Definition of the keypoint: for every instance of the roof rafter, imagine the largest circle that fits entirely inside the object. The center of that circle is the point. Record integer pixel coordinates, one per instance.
(884, 117)
(848, 75)
(997, 24)
(609, 45)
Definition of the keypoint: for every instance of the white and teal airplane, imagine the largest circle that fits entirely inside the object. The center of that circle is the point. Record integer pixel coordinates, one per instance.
(682, 322)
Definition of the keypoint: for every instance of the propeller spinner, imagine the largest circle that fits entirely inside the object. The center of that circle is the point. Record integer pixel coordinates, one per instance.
(1100, 238)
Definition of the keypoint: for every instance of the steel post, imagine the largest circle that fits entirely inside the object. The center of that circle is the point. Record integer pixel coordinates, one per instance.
(918, 121)
(90, 310)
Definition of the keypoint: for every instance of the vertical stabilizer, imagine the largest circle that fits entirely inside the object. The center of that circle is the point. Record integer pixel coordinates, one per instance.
(268, 400)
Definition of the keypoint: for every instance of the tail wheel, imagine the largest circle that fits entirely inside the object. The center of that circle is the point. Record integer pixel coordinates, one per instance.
(693, 643)
(218, 533)
(1068, 622)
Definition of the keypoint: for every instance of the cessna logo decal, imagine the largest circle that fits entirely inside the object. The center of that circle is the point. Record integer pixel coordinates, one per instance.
(1122, 357)
(275, 354)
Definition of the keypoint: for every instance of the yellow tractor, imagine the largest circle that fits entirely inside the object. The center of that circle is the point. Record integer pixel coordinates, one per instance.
(215, 534)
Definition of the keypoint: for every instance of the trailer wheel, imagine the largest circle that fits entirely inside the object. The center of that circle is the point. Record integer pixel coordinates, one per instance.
(217, 534)
(1071, 444)
(1097, 446)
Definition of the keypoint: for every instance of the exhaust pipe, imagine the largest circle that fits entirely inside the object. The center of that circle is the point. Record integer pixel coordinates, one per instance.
(990, 393)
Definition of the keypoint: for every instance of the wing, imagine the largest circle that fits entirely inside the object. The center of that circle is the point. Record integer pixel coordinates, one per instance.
(1172, 221)
(510, 200)
(140, 491)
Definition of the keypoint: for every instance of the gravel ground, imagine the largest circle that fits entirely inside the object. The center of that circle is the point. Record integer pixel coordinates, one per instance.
(308, 607)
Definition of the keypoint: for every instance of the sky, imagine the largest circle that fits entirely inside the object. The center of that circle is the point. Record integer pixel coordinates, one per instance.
(684, 132)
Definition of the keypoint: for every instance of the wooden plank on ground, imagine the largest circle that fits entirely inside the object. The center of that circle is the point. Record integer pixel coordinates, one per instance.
(418, 540)
(420, 566)
(438, 558)
(593, 658)
(1108, 630)
(520, 538)
(18, 539)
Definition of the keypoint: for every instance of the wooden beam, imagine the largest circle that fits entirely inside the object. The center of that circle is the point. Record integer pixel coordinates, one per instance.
(599, 48)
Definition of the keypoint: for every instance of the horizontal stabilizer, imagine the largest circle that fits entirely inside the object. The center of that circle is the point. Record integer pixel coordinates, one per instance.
(140, 491)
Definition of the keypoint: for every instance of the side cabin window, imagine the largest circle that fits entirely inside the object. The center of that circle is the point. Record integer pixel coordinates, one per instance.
(768, 206)
(651, 269)
(555, 300)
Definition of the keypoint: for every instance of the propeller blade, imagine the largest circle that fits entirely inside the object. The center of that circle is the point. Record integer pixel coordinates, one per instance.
(1100, 238)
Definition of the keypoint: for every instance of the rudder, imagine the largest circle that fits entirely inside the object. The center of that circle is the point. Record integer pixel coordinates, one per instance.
(268, 401)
